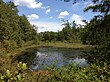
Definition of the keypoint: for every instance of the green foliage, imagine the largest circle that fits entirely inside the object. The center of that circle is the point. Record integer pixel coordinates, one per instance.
(70, 73)
(97, 31)
(101, 53)
(69, 33)
(82, 74)
(18, 76)
(102, 6)
(15, 30)
(9, 44)
(75, 73)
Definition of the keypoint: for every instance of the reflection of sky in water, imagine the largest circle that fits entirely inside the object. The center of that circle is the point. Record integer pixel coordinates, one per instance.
(81, 62)
(47, 57)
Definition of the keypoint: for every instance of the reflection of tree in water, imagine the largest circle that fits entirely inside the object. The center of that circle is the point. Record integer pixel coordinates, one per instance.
(26, 57)
(37, 59)
(58, 57)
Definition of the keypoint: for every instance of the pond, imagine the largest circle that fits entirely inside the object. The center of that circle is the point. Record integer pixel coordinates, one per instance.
(42, 56)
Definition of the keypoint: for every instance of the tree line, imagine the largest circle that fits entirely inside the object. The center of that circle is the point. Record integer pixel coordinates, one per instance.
(15, 30)
(70, 33)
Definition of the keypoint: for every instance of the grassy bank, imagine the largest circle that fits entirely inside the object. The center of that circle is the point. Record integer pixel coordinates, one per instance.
(60, 44)
(92, 73)
(7, 56)
(17, 51)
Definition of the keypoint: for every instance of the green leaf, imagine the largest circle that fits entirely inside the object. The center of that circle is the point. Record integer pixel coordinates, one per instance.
(19, 77)
(2, 77)
(24, 66)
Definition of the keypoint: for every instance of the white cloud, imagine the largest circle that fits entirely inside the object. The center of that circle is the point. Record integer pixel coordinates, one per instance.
(33, 17)
(47, 11)
(47, 26)
(77, 18)
(28, 3)
(63, 14)
(46, 7)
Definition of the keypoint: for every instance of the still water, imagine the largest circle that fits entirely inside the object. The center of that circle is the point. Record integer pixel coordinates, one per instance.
(58, 56)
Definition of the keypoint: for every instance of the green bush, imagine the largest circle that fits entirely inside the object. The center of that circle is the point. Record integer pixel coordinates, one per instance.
(9, 44)
(18, 76)
(71, 73)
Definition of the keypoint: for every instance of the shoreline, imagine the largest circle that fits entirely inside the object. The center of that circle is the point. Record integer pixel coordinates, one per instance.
(75, 46)
(66, 45)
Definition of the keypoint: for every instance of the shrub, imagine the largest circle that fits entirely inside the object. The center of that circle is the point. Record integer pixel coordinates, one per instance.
(16, 77)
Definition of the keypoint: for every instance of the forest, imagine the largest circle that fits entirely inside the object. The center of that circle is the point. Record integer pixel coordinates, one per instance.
(16, 34)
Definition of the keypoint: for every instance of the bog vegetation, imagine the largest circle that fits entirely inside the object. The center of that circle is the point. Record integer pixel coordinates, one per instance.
(16, 33)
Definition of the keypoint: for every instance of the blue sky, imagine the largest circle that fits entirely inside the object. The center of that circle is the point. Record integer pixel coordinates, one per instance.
(48, 14)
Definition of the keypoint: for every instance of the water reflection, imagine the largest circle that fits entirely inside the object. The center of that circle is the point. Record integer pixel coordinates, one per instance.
(38, 58)
(80, 61)
(48, 56)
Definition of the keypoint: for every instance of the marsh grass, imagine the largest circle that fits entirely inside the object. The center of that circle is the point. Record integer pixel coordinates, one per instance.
(60, 44)
(70, 73)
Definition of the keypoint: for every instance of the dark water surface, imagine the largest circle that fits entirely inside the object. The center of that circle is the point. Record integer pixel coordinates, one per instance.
(41, 57)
